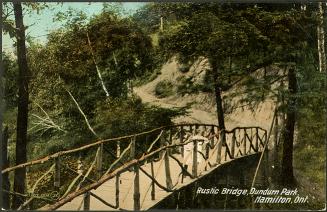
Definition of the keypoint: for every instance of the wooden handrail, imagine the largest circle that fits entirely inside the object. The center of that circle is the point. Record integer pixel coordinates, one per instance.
(108, 176)
(58, 154)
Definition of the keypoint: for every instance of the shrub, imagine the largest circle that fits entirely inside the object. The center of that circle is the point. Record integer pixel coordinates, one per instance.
(146, 78)
(164, 89)
(187, 86)
(123, 117)
(184, 68)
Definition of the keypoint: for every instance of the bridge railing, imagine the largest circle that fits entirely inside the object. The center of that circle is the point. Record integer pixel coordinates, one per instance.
(245, 140)
(56, 179)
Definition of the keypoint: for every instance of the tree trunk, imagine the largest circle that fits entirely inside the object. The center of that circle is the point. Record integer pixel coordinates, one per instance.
(321, 39)
(219, 101)
(276, 132)
(5, 177)
(287, 176)
(23, 78)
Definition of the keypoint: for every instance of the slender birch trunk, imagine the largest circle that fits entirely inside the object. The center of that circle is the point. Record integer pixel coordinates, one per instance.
(321, 39)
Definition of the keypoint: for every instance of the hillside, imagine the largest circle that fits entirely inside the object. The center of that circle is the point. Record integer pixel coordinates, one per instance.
(203, 104)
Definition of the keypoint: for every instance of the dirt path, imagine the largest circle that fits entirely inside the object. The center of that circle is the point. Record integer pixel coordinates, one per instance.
(195, 115)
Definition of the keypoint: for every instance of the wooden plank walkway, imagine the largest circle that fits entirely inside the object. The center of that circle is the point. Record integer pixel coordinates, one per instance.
(107, 191)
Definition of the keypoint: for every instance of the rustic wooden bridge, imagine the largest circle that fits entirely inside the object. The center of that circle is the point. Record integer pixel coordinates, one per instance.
(133, 172)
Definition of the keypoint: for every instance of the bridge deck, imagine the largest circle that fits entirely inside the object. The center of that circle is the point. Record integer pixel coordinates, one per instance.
(107, 190)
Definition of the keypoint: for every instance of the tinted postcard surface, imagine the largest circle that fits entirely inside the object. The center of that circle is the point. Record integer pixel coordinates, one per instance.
(138, 106)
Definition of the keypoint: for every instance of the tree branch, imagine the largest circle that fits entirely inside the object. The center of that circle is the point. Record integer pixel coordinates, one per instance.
(81, 111)
(96, 65)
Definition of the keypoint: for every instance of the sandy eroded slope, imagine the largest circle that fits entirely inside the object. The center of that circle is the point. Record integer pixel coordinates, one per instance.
(204, 109)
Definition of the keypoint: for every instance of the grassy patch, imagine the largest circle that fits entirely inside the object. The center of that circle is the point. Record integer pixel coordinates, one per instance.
(310, 162)
(146, 78)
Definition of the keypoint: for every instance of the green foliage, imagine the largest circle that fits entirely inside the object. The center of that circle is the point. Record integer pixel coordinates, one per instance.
(146, 78)
(187, 86)
(240, 39)
(310, 150)
(211, 35)
(311, 162)
(121, 51)
(72, 18)
(163, 89)
(8, 23)
(208, 83)
(10, 68)
(8, 27)
(122, 117)
(184, 68)
(149, 16)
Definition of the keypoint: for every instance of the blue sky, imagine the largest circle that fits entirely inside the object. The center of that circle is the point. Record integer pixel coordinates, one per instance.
(42, 23)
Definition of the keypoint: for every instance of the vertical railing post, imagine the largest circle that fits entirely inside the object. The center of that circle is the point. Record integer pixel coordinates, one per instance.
(257, 140)
(212, 140)
(219, 146)
(275, 153)
(167, 171)
(132, 152)
(153, 191)
(233, 145)
(196, 131)
(146, 144)
(207, 150)
(136, 196)
(170, 141)
(79, 164)
(117, 190)
(117, 177)
(244, 142)
(118, 149)
(266, 140)
(57, 173)
(99, 161)
(162, 144)
(251, 141)
(204, 129)
(181, 141)
(87, 201)
(266, 158)
(195, 159)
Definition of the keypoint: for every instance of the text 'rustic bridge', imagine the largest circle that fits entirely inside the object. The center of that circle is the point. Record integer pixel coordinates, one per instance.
(133, 172)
